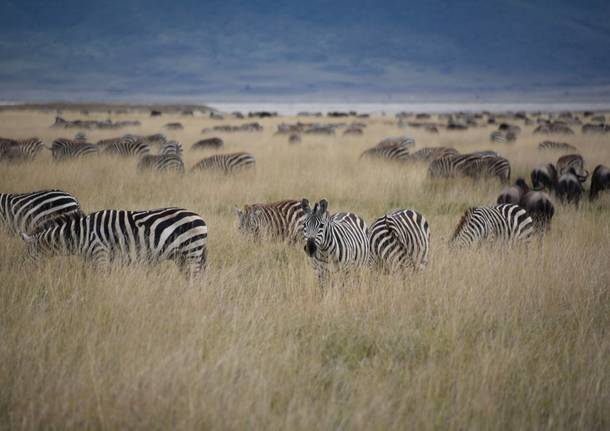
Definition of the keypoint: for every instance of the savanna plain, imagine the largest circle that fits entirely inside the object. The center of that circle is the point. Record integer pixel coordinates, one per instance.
(482, 339)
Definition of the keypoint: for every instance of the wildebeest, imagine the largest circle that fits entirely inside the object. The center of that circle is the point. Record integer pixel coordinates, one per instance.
(208, 143)
(569, 187)
(600, 180)
(537, 203)
(544, 177)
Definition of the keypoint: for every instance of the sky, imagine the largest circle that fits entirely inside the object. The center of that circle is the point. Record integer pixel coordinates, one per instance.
(304, 50)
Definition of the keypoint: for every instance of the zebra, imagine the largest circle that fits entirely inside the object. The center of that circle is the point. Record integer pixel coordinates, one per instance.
(506, 223)
(334, 242)
(552, 145)
(226, 163)
(162, 163)
(390, 152)
(282, 220)
(502, 137)
(127, 146)
(23, 212)
(404, 141)
(564, 163)
(21, 150)
(430, 153)
(171, 148)
(400, 239)
(127, 237)
(486, 167)
(63, 149)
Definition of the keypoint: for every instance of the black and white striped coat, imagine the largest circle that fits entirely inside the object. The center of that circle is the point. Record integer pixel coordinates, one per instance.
(336, 242)
(226, 163)
(20, 150)
(126, 237)
(171, 148)
(161, 163)
(127, 146)
(506, 223)
(400, 239)
(390, 152)
(65, 149)
(23, 212)
(281, 220)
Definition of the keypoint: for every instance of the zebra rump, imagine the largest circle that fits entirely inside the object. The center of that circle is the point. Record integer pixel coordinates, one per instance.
(126, 237)
(400, 240)
(161, 163)
(282, 220)
(504, 223)
(23, 150)
(24, 212)
(226, 163)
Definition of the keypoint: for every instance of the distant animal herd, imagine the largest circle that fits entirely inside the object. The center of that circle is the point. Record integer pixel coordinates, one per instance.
(52, 222)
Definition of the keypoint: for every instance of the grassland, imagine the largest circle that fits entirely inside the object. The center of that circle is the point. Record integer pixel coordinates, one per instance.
(480, 340)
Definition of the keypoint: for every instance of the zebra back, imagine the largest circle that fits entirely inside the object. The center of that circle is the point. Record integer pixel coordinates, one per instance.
(226, 163)
(24, 212)
(506, 223)
(161, 163)
(127, 146)
(282, 220)
(390, 152)
(172, 148)
(63, 149)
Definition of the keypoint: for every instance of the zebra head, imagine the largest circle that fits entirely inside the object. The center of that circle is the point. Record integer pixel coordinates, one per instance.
(466, 232)
(249, 219)
(58, 236)
(314, 224)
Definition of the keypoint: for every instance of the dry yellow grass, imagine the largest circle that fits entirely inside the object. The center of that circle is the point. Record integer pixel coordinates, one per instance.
(480, 340)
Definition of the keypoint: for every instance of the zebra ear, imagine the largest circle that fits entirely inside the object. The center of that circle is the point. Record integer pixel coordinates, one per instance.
(26, 237)
(305, 205)
(323, 205)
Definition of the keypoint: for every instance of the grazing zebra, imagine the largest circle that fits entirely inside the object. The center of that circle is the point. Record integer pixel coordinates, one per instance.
(564, 163)
(502, 137)
(127, 146)
(127, 237)
(333, 242)
(552, 145)
(400, 239)
(23, 212)
(282, 220)
(403, 141)
(389, 152)
(64, 149)
(21, 150)
(161, 163)
(226, 163)
(449, 166)
(488, 167)
(506, 223)
(430, 153)
(171, 148)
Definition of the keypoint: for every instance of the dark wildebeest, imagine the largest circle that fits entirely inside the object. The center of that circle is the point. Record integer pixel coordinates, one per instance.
(207, 143)
(600, 180)
(544, 177)
(538, 205)
(569, 187)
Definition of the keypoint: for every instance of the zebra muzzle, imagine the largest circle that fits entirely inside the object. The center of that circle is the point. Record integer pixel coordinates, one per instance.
(310, 247)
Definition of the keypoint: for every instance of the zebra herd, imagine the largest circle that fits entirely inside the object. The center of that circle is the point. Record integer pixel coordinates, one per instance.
(51, 222)
(168, 159)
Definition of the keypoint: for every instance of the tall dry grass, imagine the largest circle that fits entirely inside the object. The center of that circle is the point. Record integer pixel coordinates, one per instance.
(480, 340)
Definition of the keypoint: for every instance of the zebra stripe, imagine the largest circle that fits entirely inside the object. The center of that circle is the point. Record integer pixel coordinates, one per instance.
(20, 150)
(564, 163)
(506, 223)
(502, 137)
(127, 237)
(552, 145)
(23, 212)
(399, 240)
(282, 220)
(227, 163)
(389, 152)
(127, 146)
(430, 153)
(171, 148)
(336, 242)
(64, 149)
(470, 165)
(403, 141)
(161, 163)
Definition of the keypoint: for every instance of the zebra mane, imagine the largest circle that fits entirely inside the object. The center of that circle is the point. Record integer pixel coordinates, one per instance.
(465, 218)
(59, 220)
